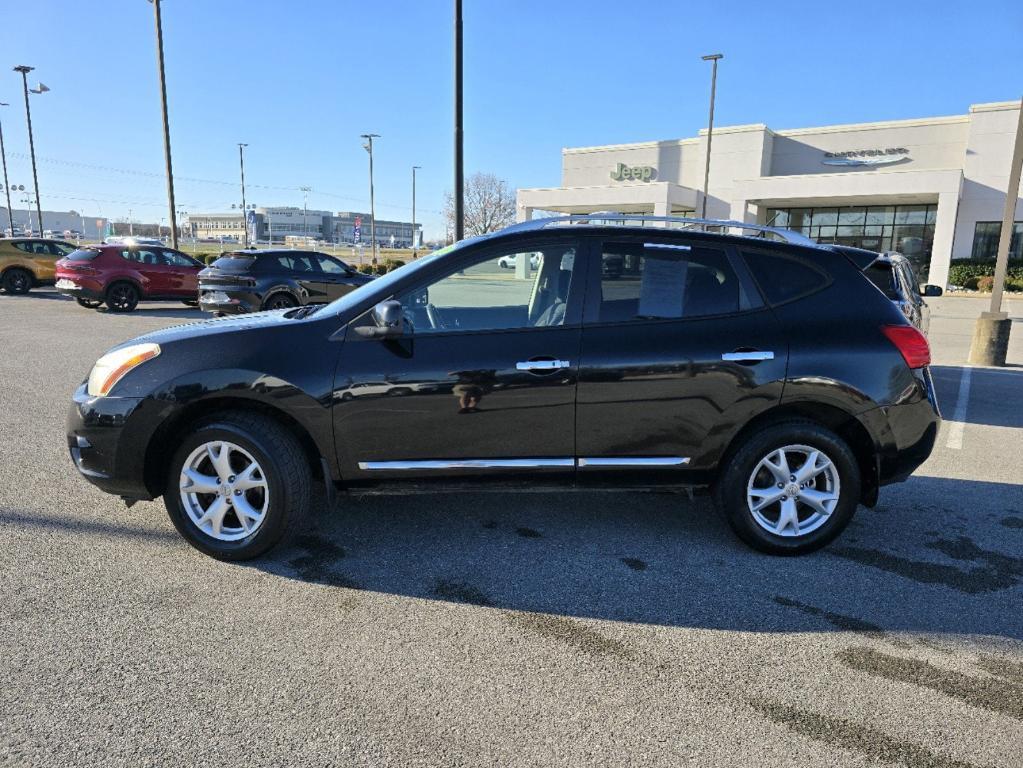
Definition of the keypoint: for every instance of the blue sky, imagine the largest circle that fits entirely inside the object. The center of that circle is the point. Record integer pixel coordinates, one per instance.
(299, 81)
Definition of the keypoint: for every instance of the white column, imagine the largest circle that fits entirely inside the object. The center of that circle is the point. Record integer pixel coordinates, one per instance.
(944, 230)
(740, 211)
(523, 213)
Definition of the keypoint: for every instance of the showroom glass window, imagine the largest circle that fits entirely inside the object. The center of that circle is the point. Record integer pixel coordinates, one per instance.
(664, 282)
(501, 290)
(908, 229)
(985, 240)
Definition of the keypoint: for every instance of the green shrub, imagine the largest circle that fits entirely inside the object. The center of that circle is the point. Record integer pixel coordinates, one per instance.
(961, 270)
(1014, 285)
(392, 264)
(986, 283)
(970, 283)
(366, 269)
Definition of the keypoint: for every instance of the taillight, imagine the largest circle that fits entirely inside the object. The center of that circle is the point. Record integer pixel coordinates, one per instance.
(912, 344)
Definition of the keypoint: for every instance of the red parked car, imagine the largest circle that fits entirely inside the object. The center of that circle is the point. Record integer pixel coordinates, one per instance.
(123, 275)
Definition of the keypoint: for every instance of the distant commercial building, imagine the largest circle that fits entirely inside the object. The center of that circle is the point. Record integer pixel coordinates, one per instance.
(932, 188)
(293, 224)
(90, 227)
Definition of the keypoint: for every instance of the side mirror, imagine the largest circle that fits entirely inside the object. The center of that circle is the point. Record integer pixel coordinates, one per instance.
(388, 322)
(933, 290)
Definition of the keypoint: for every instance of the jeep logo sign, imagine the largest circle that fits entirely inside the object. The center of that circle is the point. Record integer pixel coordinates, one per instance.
(623, 172)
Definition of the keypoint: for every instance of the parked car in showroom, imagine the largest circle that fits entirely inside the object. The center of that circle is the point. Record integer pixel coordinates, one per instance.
(252, 281)
(121, 276)
(29, 262)
(770, 370)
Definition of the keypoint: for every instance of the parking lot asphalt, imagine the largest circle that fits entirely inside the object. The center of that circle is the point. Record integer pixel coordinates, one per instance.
(538, 629)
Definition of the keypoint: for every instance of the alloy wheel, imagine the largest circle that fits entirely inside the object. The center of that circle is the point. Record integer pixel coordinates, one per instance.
(120, 297)
(224, 491)
(793, 490)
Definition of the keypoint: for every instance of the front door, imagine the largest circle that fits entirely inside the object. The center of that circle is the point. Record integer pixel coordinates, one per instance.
(484, 381)
(156, 272)
(336, 277)
(183, 275)
(677, 348)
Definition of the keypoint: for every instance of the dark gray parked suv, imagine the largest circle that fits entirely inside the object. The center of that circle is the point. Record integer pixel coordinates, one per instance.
(251, 281)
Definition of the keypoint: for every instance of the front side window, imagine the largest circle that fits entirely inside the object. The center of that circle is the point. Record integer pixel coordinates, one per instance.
(332, 267)
(654, 281)
(499, 291)
(177, 259)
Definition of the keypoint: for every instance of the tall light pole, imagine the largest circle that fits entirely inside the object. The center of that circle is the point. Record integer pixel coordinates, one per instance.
(31, 141)
(166, 123)
(305, 210)
(7, 185)
(368, 146)
(713, 58)
(459, 168)
(414, 169)
(245, 213)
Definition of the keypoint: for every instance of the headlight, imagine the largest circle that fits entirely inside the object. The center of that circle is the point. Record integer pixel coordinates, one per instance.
(113, 366)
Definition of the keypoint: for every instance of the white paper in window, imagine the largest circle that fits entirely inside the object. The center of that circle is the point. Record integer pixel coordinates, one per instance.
(663, 287)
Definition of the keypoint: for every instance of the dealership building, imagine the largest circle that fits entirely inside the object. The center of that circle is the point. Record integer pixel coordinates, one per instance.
(932, 188)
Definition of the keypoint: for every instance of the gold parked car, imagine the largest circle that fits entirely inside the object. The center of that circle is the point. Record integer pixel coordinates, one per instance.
(26, 262)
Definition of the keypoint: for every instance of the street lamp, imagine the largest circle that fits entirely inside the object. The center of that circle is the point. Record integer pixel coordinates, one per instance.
(166, 122)
(713, 58)
(368, 146)
(305, 210)
(414, 169)
(31, 141)
(245, 213)
(7, 185)
(459, 167)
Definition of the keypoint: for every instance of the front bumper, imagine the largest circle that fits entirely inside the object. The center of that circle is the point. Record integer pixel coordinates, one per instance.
(107, 439)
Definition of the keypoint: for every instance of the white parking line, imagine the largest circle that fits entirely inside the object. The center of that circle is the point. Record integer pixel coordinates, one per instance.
(958, 422)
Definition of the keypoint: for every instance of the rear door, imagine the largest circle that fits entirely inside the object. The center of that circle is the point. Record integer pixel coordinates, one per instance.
(677, 350)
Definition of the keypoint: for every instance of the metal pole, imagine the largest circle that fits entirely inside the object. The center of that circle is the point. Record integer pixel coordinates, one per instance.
(31, 144)
(459, 167)
(305, 211)
(368, 146)
(713, 58)
(414, 169)
(245, 213)
(166, 124)
(1008, 217)
(7, 185)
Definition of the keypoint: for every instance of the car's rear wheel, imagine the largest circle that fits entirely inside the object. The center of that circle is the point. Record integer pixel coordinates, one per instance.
(791, 488)
(237, 486)
(190, 302)
(122, 297)
(17, 281)
(88, 303)
(280, 301)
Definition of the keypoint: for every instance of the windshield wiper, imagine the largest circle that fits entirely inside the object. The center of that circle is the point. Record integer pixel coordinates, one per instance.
(308, 309)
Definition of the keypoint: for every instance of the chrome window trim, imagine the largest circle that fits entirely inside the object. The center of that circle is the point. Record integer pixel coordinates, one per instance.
(629, 461)
(467, 464)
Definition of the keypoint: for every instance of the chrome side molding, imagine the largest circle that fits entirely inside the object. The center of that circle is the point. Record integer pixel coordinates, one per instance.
(745, 357)
(629, 461)
(542, 365)
(599, 461)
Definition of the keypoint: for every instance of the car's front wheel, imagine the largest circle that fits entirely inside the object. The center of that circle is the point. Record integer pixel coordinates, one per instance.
(790, 489)
(280, 301)
(237, 486)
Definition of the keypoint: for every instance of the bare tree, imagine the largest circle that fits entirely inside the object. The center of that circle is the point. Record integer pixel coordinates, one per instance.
(489, 205)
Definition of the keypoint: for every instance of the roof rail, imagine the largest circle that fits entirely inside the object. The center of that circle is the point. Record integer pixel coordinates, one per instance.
(611, 218)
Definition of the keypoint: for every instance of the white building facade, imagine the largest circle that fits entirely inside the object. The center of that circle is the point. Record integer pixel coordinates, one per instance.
(932, 188)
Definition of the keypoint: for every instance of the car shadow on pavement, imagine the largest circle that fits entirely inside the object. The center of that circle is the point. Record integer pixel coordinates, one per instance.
(920, 562)
(990, 390)
(183, 313)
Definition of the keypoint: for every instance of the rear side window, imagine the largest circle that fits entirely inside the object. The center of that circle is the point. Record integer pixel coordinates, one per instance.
(883, 276)
(783, 278)
(653, 282)
(288, 262)
(83, 254)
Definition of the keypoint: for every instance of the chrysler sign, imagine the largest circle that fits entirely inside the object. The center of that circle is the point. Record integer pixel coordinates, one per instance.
(862, 157)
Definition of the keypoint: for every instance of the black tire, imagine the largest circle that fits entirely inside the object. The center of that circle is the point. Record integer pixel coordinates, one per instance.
(190, 302)
(280, 300)
(89, 303)
(17, 281)
(122, 297)
(730, 490)
(283, 464)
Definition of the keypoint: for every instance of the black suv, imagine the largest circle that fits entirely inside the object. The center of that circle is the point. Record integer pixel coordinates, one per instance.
(773, 372)
(251, 281)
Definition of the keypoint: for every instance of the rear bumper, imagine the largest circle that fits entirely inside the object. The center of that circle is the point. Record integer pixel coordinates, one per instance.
(78, 287)
(228, 302)
(107, 437)
(911, 429)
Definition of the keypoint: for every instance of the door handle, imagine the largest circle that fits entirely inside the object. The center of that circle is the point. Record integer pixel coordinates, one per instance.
(748, 356)
(541, 365)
